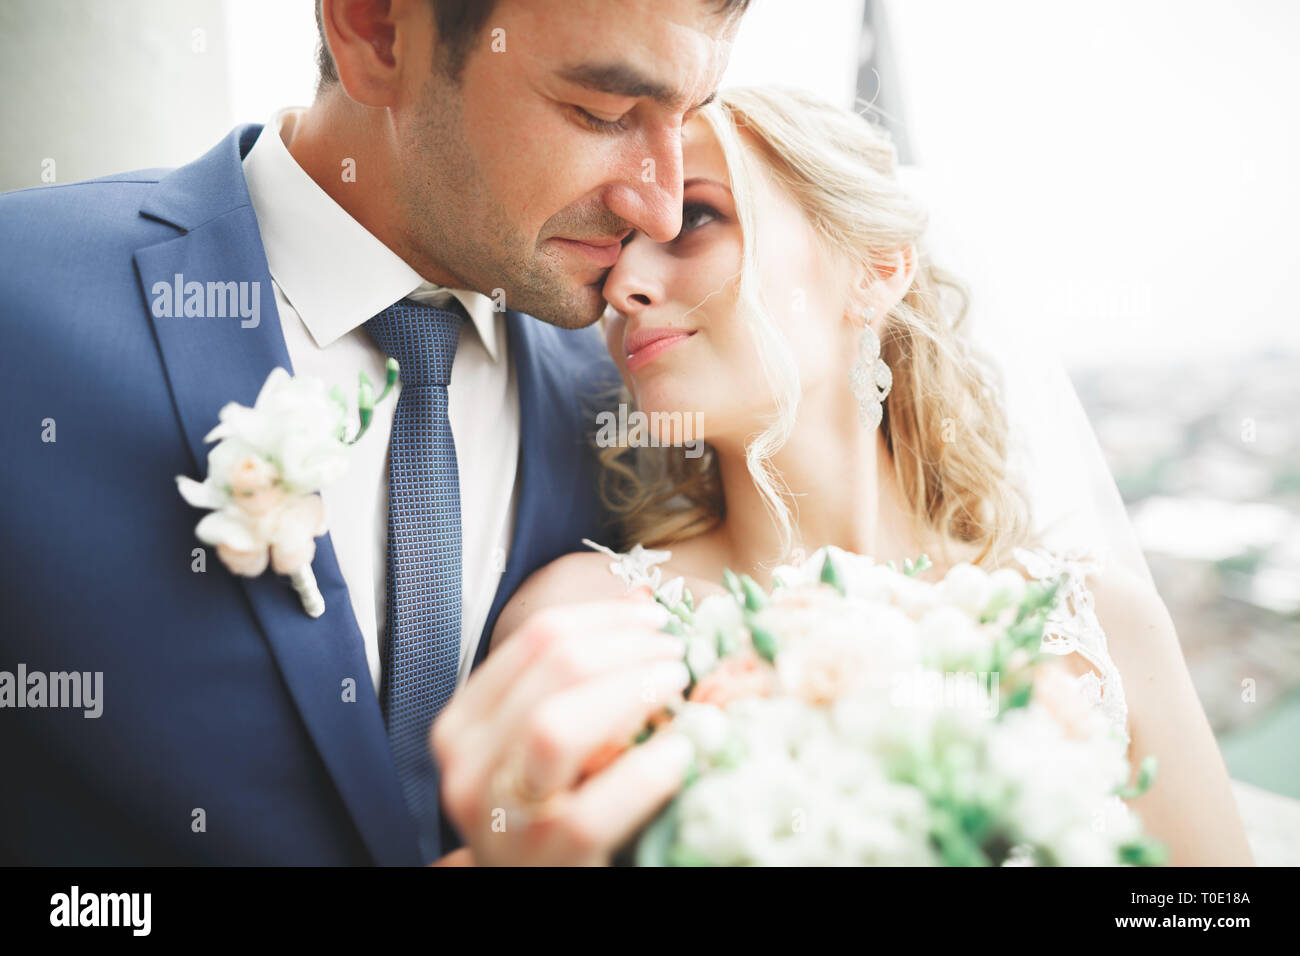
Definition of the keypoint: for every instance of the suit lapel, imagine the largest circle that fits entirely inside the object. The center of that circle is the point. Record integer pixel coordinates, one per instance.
(212, 361)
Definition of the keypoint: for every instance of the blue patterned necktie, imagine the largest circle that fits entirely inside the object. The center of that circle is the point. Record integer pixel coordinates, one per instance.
(424, 574)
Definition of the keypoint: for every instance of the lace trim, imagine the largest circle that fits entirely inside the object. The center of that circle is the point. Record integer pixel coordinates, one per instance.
(1073, 628)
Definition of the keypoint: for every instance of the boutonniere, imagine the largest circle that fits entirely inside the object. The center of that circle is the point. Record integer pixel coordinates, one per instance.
(267, 469)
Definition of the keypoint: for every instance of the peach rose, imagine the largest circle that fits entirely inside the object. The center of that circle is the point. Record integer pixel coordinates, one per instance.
(253, 486)
(822, 669)
(741, 675)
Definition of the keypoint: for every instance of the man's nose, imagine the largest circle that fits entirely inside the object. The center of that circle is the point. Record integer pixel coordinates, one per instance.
(648, 195)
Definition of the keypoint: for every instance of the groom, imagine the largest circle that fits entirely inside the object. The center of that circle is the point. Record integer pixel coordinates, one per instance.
(454, 198)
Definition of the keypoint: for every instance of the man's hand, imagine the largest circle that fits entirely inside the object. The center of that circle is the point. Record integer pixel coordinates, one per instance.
(462, 857)
(514, 743)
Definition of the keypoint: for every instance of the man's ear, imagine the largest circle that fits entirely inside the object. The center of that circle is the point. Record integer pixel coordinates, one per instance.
(371, 41)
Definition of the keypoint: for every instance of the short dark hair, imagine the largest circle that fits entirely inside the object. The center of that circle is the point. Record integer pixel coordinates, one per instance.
(459, 23)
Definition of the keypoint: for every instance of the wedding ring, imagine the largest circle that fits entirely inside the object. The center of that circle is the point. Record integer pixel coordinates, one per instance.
(512, 793)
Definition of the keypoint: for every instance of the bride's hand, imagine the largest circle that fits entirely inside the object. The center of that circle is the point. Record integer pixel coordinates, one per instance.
(514, 743)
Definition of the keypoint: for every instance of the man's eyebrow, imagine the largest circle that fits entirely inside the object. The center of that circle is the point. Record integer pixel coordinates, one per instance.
(620, 79)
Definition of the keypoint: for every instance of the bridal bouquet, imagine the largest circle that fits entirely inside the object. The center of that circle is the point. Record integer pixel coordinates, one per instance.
(857, 715)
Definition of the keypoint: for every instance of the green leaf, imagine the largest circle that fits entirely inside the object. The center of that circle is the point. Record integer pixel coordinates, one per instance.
(1001, 601)
(685, 856)
(1145, 778)
(336, 395)
(391, 369)
(680, 610)
(1038, 598)
(365, 406)
(755, 598)
(733, 584)
(831, 574)
(765, 642)
(955, 845)
(1144, 852)
(654, 848)
(1019, 698)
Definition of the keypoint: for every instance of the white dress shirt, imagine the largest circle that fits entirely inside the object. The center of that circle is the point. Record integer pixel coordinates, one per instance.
(331, 275)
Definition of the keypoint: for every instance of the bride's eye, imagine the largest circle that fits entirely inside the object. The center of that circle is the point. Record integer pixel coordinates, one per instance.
(696, 214)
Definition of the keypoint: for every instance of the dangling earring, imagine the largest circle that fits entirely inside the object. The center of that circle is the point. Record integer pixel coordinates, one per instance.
(870, 378)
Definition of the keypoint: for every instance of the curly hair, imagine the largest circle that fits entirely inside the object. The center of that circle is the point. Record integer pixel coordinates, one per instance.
(944, 421)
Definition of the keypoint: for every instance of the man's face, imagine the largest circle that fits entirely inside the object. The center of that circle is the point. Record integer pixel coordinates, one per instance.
(562, 135)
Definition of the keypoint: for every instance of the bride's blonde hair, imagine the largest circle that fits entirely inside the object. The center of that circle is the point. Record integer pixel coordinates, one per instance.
(944, 422)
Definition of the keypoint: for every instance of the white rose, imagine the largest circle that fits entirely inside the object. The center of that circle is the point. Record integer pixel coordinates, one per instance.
(311, 461)
(294, 423)
(717, 612)
(820, 669)
(234, 534)
(967, 587)
(950, 640)
(801, 574)
(1006, 588)
(707, 727)
(701, 652)
(914, 598)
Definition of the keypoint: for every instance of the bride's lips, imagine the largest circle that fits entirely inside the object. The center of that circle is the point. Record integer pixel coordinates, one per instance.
(645, 345)
(600, 252)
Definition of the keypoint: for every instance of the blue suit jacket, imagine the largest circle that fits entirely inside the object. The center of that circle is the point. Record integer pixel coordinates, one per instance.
(219, 693)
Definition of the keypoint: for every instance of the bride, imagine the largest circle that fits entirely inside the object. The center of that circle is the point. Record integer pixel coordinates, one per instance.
(799, 321)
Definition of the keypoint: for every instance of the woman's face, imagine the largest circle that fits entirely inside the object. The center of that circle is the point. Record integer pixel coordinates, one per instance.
(676, 332)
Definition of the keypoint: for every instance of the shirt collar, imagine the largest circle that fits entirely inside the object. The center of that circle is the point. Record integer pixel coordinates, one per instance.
(333, 271)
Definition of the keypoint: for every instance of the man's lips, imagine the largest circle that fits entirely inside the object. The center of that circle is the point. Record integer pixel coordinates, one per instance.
(645, 345)
(600, 252)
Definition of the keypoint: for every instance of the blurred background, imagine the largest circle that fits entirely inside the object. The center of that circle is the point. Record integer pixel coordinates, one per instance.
(1115, 180)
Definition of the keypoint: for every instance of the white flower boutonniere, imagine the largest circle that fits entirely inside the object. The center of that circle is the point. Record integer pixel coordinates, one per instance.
(266, 470)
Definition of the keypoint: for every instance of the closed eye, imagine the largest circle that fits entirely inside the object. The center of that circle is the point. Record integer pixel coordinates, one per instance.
(598, 124)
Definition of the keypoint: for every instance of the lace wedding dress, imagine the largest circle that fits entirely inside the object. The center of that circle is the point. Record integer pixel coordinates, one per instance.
(1072, 627)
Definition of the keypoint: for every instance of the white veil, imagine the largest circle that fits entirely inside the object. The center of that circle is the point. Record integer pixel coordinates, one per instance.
(1055, 453)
